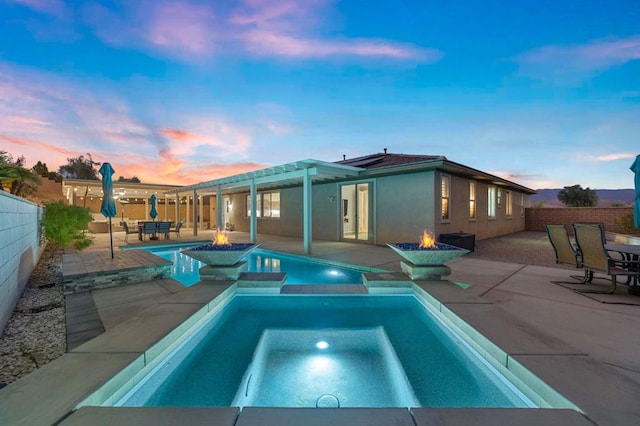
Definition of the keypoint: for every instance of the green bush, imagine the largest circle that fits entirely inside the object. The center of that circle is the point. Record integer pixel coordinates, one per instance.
(64, 225)
(626, 223)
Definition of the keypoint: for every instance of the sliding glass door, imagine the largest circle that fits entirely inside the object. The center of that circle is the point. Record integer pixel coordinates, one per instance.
(357, 212)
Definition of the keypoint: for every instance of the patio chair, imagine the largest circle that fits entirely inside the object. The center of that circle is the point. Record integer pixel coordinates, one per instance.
(128, 231)
(176, 229)
(566, 253)
(149, 228)
(590, 238)
(163, 229)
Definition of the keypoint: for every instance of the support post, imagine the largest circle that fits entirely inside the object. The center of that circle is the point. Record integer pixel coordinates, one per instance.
(254, 220)
(307, 212)
(219, 208)
(195, 212)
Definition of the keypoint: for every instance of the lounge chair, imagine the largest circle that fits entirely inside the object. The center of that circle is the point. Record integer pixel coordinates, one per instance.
(128, 231)
(590, 238)
(566, 253)
(163, 229)
(176, 229)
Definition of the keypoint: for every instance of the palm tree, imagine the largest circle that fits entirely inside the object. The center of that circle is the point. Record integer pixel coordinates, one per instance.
(7, 171)
(25, 182)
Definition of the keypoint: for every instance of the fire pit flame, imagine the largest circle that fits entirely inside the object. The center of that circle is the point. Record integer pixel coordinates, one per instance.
(220, 238)
(427, 241)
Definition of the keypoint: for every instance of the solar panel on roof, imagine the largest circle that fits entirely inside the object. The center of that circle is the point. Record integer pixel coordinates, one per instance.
(364, 162)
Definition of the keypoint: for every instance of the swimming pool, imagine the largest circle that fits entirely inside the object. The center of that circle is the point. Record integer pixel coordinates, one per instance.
(310, 351)
(299, 270)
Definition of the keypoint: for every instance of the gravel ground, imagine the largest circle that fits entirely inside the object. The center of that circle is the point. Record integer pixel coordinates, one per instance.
(36, 333)
(526, 247)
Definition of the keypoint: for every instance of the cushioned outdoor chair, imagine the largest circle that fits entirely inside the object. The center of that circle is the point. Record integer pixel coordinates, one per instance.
(149, 228)
(176, 229)
(590, 238)
(128, 231)
(163, 229)
(566, 253)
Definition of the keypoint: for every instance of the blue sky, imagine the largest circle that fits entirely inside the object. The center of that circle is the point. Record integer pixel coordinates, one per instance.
(544, 93)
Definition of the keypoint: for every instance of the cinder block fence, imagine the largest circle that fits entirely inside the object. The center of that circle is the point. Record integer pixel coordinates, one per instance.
(20, 250)
(536, 218)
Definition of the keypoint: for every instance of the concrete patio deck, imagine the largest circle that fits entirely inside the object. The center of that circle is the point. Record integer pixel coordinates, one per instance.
(587, 351)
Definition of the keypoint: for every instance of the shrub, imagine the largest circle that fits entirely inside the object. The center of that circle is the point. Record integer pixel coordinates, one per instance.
(64, 225)
(626, 223)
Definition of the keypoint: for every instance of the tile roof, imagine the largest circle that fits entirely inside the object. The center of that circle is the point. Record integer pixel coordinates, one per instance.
(384, 159)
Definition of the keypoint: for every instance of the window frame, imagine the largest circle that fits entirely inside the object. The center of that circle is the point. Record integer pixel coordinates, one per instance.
(473, 205)
(261, 198)
(445, 198)
(491, 202)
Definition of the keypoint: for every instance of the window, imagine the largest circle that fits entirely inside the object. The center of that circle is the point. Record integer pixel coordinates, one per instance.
(472, 200)
(445, 193)
(499, 198)
(268, 204)
(248, 202)
(521, 205)
(507, 204)
(271, 204)
(491, 202)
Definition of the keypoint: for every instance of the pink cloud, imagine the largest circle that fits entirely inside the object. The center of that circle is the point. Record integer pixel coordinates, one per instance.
(281, 28)
(612, 157)
(574, 64)
(179, 27)
(270, 43)
(178, 135)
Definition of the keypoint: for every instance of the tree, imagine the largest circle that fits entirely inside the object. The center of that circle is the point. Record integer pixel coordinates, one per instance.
(7, 171)
(25, 183)
(64, 225)
(41, 169)
(576, 196)
(21, 180)
(133, 179)
(80, 168)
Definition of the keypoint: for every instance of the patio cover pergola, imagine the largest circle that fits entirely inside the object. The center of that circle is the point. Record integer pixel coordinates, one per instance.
(306, 172)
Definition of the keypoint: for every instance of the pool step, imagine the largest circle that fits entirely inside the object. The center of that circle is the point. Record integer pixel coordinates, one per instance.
(324, 289)
(261, 282)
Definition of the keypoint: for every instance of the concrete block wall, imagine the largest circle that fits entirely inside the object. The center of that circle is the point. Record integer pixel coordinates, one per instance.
(536, 218)
(20, 250)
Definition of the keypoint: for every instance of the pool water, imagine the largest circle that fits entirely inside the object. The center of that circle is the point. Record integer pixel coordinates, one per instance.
(299, 270)
(308, 351)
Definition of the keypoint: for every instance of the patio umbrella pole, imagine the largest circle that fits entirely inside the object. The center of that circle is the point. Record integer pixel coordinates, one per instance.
(111, 237)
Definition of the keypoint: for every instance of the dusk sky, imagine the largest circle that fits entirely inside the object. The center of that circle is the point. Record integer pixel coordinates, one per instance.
(543, 93)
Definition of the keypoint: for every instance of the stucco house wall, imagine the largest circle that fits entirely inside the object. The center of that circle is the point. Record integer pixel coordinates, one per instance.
(404, 205)
(482, 226)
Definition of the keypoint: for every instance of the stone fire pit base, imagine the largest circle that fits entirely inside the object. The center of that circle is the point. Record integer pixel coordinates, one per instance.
(223, 272)
(425, 272)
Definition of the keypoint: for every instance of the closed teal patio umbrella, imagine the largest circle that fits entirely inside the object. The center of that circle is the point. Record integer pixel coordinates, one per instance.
(635, 168)
(153, 213)
(108, 207)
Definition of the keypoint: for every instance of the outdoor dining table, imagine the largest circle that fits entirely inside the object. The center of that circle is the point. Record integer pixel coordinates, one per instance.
(629, 252)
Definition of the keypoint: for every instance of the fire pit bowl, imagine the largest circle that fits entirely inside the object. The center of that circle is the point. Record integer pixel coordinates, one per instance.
(426, 263)
(438, 255)
(220, 255)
